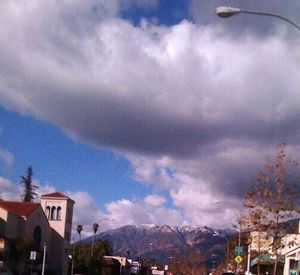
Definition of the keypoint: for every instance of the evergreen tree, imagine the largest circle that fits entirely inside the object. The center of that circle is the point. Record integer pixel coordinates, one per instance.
(29, 189)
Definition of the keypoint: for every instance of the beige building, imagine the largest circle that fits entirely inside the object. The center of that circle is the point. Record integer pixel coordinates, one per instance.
(289, 253)
(47, 224)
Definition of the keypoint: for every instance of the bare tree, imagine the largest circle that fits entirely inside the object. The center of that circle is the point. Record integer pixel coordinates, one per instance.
(271, 202)
(192, 263)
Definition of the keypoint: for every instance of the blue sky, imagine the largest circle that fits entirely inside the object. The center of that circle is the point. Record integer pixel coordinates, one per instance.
(145, 111)
(53, 156)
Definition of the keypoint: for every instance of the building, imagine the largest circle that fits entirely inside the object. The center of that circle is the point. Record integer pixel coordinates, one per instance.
(288, 259)
(116, 261)
(46, 225)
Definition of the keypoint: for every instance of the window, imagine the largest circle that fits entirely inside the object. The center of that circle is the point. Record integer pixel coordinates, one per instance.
(58, 214)
(53, 212)
(47, 212)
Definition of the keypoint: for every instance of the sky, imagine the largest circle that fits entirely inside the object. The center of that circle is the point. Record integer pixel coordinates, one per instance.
(146, 111)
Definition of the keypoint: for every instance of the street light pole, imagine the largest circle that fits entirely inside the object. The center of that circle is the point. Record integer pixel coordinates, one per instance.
(44, 258)
(248, 260)
(73, 256)
(225, 12)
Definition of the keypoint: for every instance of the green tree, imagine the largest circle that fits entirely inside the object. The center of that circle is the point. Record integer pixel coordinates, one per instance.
(85, 262)
(29, 188)
(24, 246)
(272, 201)
(20, 251)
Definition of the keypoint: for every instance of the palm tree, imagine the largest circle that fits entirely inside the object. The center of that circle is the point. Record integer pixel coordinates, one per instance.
(95, 229)
(79, 229)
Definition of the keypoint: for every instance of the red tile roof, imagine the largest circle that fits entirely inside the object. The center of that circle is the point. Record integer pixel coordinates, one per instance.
(55, 195)
(19, 208)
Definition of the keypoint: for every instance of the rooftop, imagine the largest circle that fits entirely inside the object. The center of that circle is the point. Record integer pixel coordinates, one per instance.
(19, 208)
(56, 195)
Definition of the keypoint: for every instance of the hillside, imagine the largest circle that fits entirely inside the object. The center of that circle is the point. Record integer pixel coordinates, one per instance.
(161, 242)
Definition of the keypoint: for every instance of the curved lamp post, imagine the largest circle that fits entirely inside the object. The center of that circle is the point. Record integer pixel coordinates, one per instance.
(225, 12)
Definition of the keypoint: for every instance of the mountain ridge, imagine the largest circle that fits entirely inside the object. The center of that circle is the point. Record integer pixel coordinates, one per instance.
(161, 242)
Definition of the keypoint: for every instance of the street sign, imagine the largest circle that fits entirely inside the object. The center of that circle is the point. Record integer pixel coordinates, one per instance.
(32, 255)
(238, 250)
(238, 259)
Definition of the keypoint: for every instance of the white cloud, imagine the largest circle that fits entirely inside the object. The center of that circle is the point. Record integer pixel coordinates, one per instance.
(151, 170)
(155, 200)
(6, 157)
(194, 186)
(167, 79)
(87, 213)
(9, 191)
(194, 110)
(138, 212)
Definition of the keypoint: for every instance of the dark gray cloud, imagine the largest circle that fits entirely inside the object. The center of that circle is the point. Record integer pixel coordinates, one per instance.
(188, 98)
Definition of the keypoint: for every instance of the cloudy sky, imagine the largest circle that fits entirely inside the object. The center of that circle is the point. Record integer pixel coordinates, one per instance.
(146, 111)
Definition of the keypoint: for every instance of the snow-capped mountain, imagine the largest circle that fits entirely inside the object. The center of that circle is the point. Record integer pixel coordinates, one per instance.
(161, 242)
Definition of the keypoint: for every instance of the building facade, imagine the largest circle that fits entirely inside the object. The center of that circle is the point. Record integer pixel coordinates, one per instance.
(288, 257)
(46, 225)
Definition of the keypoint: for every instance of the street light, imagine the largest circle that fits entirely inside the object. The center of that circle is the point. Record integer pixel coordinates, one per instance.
(44, 258)
(73, 256)
(225, 12)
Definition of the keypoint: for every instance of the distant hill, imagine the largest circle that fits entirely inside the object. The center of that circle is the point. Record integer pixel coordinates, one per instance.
(161, 242)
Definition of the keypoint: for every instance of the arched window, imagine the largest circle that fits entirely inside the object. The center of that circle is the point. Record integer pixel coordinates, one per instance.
(37, 237)
(47, 212)
(58, 214)
(53, 213)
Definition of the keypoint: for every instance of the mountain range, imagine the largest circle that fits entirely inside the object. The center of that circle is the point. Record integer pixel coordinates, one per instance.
(161, 242)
